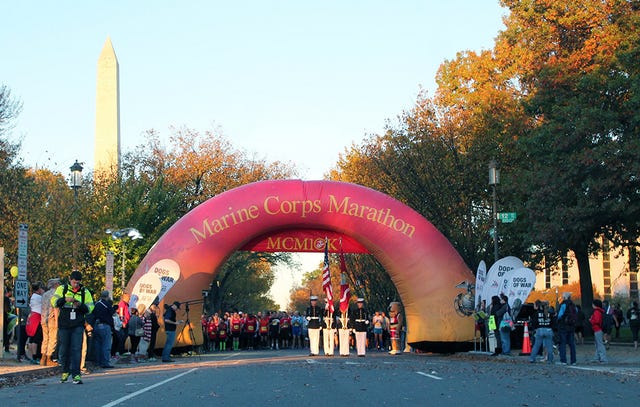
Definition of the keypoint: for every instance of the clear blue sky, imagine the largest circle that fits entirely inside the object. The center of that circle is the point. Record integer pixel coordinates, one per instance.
(296, 81)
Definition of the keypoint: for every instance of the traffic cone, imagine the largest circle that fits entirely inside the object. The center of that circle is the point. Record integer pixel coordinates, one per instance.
(526, 344)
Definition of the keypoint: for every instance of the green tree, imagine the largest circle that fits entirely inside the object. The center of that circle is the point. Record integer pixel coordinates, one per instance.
(582, 150)
(159, 184)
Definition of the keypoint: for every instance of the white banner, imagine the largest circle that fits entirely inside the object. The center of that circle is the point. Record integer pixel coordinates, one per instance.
(168, 271)
(496, 274)
(145, 291)
(518, 284)
(481, 277)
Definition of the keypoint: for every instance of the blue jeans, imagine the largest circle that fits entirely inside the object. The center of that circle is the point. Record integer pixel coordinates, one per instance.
(544, 336)
(505, 338)
(70, 349)
(567, 338)
(601, 351)
(102, 344)
(168, 345)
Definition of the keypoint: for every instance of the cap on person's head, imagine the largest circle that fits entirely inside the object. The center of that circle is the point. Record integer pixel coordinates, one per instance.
(566, 296)
(75, 275)
(105, 294)
(177, 304)
(313, 298)
(52, 281)
(361, 300)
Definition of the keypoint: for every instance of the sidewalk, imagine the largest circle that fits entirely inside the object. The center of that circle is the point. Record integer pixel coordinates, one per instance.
(618, 354)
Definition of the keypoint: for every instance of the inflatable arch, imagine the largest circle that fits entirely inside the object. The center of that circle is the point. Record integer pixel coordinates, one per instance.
(421, 262)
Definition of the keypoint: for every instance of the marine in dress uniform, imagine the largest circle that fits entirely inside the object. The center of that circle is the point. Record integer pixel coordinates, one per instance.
(342, 324)
(328, 333)
(360, 323)
(314, 315)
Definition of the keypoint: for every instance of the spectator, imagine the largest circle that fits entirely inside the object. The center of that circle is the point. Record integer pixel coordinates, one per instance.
(618, 319)
(581, 320)
(49, 324)
(596, 324)
(116, 334)
(155, 326)
(73, 301)
(145, 340)
(34, 328)
(125, 314)
(505, 328)
(170, 325)
(102, 337)
(606, 328)
(567, 316)
(6, 315)
(633, 315)
(542, 322)
(135, 330)
(497, 310)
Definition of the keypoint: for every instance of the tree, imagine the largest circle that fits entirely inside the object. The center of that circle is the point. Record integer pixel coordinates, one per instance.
(366, 277)
(14, 181)
(156, 186)
(582, 150)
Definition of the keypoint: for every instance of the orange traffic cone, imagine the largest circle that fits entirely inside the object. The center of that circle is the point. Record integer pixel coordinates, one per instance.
(526, 344)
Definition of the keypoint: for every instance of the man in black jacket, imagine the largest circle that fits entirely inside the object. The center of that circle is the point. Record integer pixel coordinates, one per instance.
(102, 331)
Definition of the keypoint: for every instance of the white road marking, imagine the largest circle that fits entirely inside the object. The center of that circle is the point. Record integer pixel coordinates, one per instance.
(609, 369)
(429, 375)
(132, 395)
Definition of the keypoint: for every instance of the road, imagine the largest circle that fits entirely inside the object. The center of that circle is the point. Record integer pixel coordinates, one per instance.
(292, 378)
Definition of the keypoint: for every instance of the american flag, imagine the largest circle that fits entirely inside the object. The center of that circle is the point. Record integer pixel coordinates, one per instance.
(345, 291)
(326, 278)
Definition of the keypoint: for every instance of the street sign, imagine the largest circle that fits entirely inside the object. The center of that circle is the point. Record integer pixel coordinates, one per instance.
(108, 280)
(21, 293)
(506, 217)
(22, 251)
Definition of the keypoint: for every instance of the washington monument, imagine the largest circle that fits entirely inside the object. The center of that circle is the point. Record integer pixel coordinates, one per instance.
(107, 138)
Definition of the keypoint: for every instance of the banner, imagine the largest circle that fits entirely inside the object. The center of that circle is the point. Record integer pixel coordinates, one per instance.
(169, 272)
(481, 276)
(345, 291)
(495, 276)
(304, 241)
(145, 291)
(518, 284)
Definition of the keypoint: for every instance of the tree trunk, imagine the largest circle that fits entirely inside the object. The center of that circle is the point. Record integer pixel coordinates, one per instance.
(584, 270)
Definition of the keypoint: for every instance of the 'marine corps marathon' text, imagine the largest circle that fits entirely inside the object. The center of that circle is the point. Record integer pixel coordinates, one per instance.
(274, 206)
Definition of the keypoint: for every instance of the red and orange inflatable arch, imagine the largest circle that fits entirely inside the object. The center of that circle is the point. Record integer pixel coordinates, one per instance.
(420, 261)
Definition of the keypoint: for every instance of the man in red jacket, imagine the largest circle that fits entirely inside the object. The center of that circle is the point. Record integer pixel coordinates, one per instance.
(596, 325)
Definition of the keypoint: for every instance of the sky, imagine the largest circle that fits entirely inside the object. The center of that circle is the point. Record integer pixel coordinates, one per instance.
(293, 81)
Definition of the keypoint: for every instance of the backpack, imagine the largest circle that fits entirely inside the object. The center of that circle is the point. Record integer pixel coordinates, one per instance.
(570, 315)
(607, 322)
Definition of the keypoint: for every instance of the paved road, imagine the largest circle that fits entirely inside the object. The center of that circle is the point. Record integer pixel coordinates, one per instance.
(292, 378)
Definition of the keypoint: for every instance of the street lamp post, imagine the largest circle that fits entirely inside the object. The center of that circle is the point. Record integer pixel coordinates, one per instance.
(121, 234)
(494, 179)
(76, 183)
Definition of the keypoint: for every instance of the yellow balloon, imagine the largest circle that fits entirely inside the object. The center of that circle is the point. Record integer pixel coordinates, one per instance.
(14, 271)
